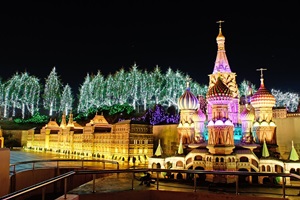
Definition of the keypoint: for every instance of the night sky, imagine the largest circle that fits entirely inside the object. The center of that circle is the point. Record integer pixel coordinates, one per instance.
(80, 37)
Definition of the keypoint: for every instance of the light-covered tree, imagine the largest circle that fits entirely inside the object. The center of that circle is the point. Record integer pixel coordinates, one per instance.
(11, 96)
(98, 89)
(52, 92)
(29, 94)
(134, 78)
(109, 87)
(289, 100)
(85, 95)
(120, 89)
(157, 84)
(66, 101)
(145, 90)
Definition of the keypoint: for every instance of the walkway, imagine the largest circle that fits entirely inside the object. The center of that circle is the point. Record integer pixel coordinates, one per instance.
(113, 183)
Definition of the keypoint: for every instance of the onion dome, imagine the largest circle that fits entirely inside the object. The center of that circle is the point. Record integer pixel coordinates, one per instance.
(262, 98)
(188, 101)
(219, 92)
(247, 115)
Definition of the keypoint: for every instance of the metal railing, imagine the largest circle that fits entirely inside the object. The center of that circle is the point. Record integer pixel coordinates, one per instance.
(153, 171)
(58, 163)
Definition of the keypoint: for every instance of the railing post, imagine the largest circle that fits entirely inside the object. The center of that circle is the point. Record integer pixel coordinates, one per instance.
(132, 181)
(65, 188)
(283, 187)
(157, 180)
(43, 193)
(94, 184)
(195, 183)
(236, 184)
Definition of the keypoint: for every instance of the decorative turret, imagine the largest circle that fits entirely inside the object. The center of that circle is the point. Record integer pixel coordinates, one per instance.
(220, 127)
(222, 71)
(188, 104)
(262, 98)
(63, 123)
(263, 101)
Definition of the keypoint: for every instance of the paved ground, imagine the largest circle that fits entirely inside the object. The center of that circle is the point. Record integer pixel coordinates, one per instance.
(124, 182)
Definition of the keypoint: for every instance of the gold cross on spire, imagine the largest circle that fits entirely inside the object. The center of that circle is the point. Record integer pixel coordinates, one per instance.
(261, 71)
(220, 23)
(188, 79)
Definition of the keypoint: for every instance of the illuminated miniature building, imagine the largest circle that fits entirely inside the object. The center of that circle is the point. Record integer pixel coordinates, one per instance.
(236, 138)
(123, 141)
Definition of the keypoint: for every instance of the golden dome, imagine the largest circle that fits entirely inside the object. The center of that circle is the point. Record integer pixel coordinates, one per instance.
(219, 92)
(262, 98)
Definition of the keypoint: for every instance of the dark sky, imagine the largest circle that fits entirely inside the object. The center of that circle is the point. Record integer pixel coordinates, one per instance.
(80, 37)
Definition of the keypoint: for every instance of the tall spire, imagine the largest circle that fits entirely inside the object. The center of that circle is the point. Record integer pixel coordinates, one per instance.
(221, 63)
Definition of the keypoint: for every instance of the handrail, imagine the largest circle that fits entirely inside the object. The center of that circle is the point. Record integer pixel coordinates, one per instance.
(37, 186)
(133, 171)
(57, 161)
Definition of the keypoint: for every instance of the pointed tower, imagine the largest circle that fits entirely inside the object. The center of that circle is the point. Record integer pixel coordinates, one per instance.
(220, 128)
(293, 155)
(188, 105)
(263, 102)
(265, 152)
(180, 148)
(159, 150)
(70, 122)
(222, 69)
(63, 123)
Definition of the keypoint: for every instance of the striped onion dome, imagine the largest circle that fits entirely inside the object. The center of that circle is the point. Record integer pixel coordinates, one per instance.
(247, 115)
(219, 92)
(188, 101)
(262, 98)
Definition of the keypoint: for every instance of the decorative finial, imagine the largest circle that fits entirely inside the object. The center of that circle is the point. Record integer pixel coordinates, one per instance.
(220, 23)
(188, 79)
(261, 71)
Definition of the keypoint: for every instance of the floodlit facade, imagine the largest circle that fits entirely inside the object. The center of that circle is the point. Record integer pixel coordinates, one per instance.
(124, 142)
